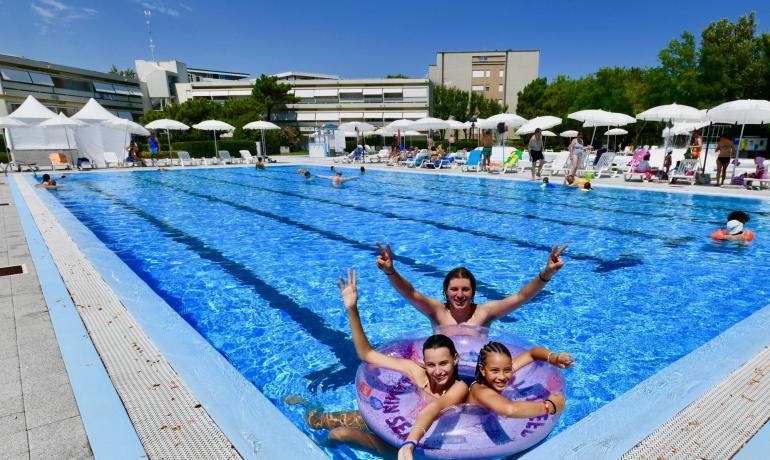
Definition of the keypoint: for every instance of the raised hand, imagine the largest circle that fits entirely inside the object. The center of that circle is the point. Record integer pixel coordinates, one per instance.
(555, 262)
(385, 259)
(349, 290)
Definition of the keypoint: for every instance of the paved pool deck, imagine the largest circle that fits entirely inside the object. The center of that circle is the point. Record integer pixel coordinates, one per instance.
(658, 436)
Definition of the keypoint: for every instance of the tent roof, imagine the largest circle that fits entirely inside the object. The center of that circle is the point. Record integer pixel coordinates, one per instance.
(32, 110)
(93, 111)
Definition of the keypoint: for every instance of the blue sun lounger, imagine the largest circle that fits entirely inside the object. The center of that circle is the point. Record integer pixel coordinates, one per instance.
(474, 161)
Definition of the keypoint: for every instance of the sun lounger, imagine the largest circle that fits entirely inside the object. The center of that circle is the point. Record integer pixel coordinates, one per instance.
(225, 158)
(417, 160)
(58, 159)
(381, 156)
(557, 165)
(509, 165)
(603, 165)
(246, 157)
(184, 157)
(685, 171)
(474, 161)
(111, 158)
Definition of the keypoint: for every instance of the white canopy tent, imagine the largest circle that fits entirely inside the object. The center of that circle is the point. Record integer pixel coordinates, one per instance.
(96, 138)
(26, 143)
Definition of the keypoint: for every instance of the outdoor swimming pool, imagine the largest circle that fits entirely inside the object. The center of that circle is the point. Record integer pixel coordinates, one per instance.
(250, 257)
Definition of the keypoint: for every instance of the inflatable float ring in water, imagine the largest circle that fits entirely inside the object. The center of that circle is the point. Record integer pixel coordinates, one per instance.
(389, 401)
(721, 234)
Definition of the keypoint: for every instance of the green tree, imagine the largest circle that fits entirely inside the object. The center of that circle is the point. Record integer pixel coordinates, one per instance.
(450, 102)
(128, 73)
(530, 98)
(677, 78)
(271, 95)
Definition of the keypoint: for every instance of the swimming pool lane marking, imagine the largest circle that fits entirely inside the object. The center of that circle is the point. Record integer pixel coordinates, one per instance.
(603, 265)
(488, 194)
(104, 417)
(486, 290)
(669, 241)
(315, 325)
(239, 412)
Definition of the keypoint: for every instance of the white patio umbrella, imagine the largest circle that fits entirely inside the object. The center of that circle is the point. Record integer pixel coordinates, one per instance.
(8, 122)
(511, 121)
(546, 133)
(596, 117)
(66, 123)
(673, 113)
(214, 125)
(741, 112)
(615, 132)
(262, 126)
(358, 127)
(168, 125)
(400, 125)
(569, 134)
(544, 122)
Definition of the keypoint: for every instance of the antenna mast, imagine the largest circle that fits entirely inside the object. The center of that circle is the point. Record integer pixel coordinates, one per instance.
(147, 15)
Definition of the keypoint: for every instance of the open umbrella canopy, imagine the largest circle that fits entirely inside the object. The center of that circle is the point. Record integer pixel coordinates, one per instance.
(127, 125)
(428, 123)
(214, 125)
(741, 112)
(672, 112)
(598, 117)
(511, 120)
(62, 121)
(261, 125)
(568, 134)
(32, 111)
(454, 124)
(544, 122)
(546, 133)
(354, 126)
(412, 133)
(616, 132)
(165, 123)
(680, 129)
(401, 124)
(8, 122)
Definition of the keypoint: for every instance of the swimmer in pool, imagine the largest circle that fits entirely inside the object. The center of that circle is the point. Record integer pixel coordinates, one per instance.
(459, 290)
(337, 179)
(47, 182)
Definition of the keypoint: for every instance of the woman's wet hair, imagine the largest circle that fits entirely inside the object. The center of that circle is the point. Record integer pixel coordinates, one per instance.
(459, 273)
(587, 186)
(739, 216)
(46, 177)
(486, 350)
(441, 341)
(307, 174)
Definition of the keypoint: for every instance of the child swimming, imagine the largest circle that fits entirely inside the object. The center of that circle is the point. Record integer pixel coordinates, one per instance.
(495, 370)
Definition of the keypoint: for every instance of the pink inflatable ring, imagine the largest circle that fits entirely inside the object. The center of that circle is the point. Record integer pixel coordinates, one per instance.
(389, 402)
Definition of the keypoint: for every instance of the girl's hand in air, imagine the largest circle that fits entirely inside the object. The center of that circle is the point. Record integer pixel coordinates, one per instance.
(349, 290)
(555, 262)
(385, 259)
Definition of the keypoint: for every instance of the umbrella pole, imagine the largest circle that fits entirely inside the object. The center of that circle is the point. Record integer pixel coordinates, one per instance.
(592, 136)
(706, 153)
(69, 149)
(737, 152)
(263, 150)
(216, 150)
(168, 136)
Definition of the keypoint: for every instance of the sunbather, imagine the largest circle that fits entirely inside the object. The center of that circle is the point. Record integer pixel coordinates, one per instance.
(459, 290)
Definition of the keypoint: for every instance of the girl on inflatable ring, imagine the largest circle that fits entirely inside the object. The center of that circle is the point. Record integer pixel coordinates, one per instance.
(495, 370)
(437, 377)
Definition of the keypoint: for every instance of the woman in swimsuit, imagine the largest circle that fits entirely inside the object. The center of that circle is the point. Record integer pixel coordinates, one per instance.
(726, 149)
(437, 376)
(536, 153)
(697, 144)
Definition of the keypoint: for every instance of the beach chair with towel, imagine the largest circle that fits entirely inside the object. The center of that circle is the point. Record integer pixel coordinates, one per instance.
(58, 159)
(685, 171)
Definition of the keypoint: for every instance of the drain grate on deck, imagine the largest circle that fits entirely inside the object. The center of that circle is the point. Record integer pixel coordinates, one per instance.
(13, 270)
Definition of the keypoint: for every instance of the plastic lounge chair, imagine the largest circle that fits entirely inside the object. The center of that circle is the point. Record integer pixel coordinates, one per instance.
(246, 157)
(111, 158)
(184, 157)
(511, 164)
(474, 161)
(557, 165)
(417, 160)
(685, 170)
(58, 159)
(511, 161)
(225, 158)
(604, 164)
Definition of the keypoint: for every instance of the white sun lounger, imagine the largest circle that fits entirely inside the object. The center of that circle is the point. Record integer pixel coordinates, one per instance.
(685, 171)
(246, 157)
(557, 165)
(111, 158)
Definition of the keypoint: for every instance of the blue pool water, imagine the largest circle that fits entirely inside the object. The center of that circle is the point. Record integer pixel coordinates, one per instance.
(250, 257)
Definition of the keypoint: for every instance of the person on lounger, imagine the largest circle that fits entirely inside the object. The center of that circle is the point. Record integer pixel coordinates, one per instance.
(459, 290)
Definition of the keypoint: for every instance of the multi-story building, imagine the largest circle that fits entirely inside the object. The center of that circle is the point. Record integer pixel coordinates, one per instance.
(159, 79)
(66, 89)
(328, 99)
(498, 75)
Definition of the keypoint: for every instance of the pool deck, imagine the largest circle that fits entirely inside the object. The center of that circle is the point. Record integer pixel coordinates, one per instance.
(687, 424)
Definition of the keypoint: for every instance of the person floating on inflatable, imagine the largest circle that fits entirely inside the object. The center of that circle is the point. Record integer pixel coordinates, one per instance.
(437, 377)
(734, 229)
(494, 372)
(581, 183)
(459, 290)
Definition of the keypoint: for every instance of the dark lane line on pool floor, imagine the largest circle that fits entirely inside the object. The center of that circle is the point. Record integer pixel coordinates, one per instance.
(338, 342)
(487, 291)
(603, 265)
(671, 242)
(485, 193)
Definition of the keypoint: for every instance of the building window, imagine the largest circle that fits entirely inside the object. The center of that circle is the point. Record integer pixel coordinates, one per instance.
(502, 73)
(478, 74)
(477, 88)
(486, 88)
(500, 88)
(482, 58)
(73, 85)
(487, 73)
(15, 75)
(41, 79)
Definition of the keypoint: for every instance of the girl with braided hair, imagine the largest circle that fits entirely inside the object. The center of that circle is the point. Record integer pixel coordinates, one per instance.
(494, 371)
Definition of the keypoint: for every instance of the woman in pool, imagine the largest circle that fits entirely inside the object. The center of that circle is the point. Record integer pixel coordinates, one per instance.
(337, 179)
(437, 377)
(459, 290)
(494, 371)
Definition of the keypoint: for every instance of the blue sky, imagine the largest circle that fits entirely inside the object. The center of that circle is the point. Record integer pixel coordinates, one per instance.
(354, 39)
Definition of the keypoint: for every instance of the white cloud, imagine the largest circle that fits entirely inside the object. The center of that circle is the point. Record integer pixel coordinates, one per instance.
(158, 7)
(53, 13)
(184, 6)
